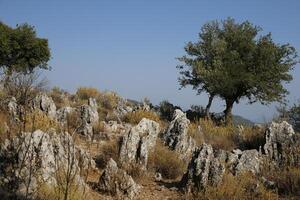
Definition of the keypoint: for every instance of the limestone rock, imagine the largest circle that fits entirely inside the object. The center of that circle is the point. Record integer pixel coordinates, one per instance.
(89, 116)
(13, 108)
(45, 104)
(32, 159)
(204, 169)
(62, 113)
(117, 182)
(281, 143)
(89, 112)
(176, 137)
(242, 161)
(139, 141)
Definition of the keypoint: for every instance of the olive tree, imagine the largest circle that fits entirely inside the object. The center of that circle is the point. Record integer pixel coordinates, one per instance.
(233, 61)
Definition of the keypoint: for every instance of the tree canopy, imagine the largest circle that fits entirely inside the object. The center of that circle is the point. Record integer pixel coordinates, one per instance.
(21, 50)
(231, 60)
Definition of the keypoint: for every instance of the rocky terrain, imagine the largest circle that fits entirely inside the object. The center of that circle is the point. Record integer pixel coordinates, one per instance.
(87, 149)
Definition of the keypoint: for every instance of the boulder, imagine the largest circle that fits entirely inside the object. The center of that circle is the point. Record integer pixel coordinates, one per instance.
(204, 169)
(13, 108)
(89, 113)
(117, 182)
(176, 137)
(62, 113)
(33, 159)
(138, 142)
(208, 166)
(45, 104)
(242, 161)
(89, 116)
(281, 143)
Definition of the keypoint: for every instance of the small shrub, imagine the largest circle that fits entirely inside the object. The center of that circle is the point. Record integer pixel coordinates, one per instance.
(136, 172)
(242, 187)
(84, 93)
(252, 138)
(136, 117)
(195, 133)
(59, 97)
(39, 120)
(166, 162)
(220, 137)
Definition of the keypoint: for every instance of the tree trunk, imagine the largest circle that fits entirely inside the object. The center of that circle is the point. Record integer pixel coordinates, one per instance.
(207, 109)
(228, 111)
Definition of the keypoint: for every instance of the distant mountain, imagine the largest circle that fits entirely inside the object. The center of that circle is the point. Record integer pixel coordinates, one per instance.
(239, 120)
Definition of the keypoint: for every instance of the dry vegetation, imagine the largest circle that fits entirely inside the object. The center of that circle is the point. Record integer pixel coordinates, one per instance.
(242, 187)
(166, 162)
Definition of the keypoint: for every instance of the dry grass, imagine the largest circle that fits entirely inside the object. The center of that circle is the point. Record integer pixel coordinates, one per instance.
(136, 117)
(39, 120)
(220, 137)
(84, 93)
(166, 162)
(108, 150)
(242, 187)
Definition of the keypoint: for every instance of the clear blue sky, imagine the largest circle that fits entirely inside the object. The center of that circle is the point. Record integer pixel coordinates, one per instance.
(130, 46)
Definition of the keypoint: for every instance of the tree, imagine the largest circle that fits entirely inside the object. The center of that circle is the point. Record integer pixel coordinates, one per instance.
(232, 61)
(21, 50)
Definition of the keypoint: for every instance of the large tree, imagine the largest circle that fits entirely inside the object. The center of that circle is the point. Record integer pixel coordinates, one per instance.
(232, 61)
(21, 50)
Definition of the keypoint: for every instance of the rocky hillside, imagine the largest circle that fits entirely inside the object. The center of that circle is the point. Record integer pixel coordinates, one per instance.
(96, 145)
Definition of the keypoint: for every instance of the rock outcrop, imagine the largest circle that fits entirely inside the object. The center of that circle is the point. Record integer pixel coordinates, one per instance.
(62, 113)
(45, 104)
(34, 159)
(117, 182)
(208, 166)
(176, 137)
(89, 116)
(13, 109)
(281, 143)
(242, 161)
(204, 169)
(139, 141)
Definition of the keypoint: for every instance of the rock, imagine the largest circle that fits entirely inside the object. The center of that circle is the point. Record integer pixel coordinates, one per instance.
(117, 182)
(89, 113)
(35, 158)
(113, 127)
(158, 177)
(45, 104)
(89, 116)
(208, 166)
(138, 143)
(62, 113)
(13, 108)
(176, 137)
(242, 161)
(204, 169)
(281, 143)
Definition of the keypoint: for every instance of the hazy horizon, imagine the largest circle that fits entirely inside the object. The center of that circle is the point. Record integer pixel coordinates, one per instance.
(130, 47)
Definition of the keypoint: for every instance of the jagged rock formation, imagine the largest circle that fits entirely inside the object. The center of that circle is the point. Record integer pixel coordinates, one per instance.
(204, 169)
(62, 113)
(208, 166)
(139, 141)
(176, 137)
(45, 104)
(33, 159)
(242, 161)
(89, 116)
(117, 182)
(13, 108)
(281, 143)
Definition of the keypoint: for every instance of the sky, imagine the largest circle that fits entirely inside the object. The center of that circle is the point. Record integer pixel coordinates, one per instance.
(130, 46)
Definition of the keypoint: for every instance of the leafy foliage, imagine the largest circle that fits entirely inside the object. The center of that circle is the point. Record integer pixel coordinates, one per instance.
(21, 50)
(232, 61)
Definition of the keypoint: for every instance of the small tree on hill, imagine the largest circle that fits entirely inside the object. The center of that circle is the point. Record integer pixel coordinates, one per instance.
(232, 61)
(21, 50)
